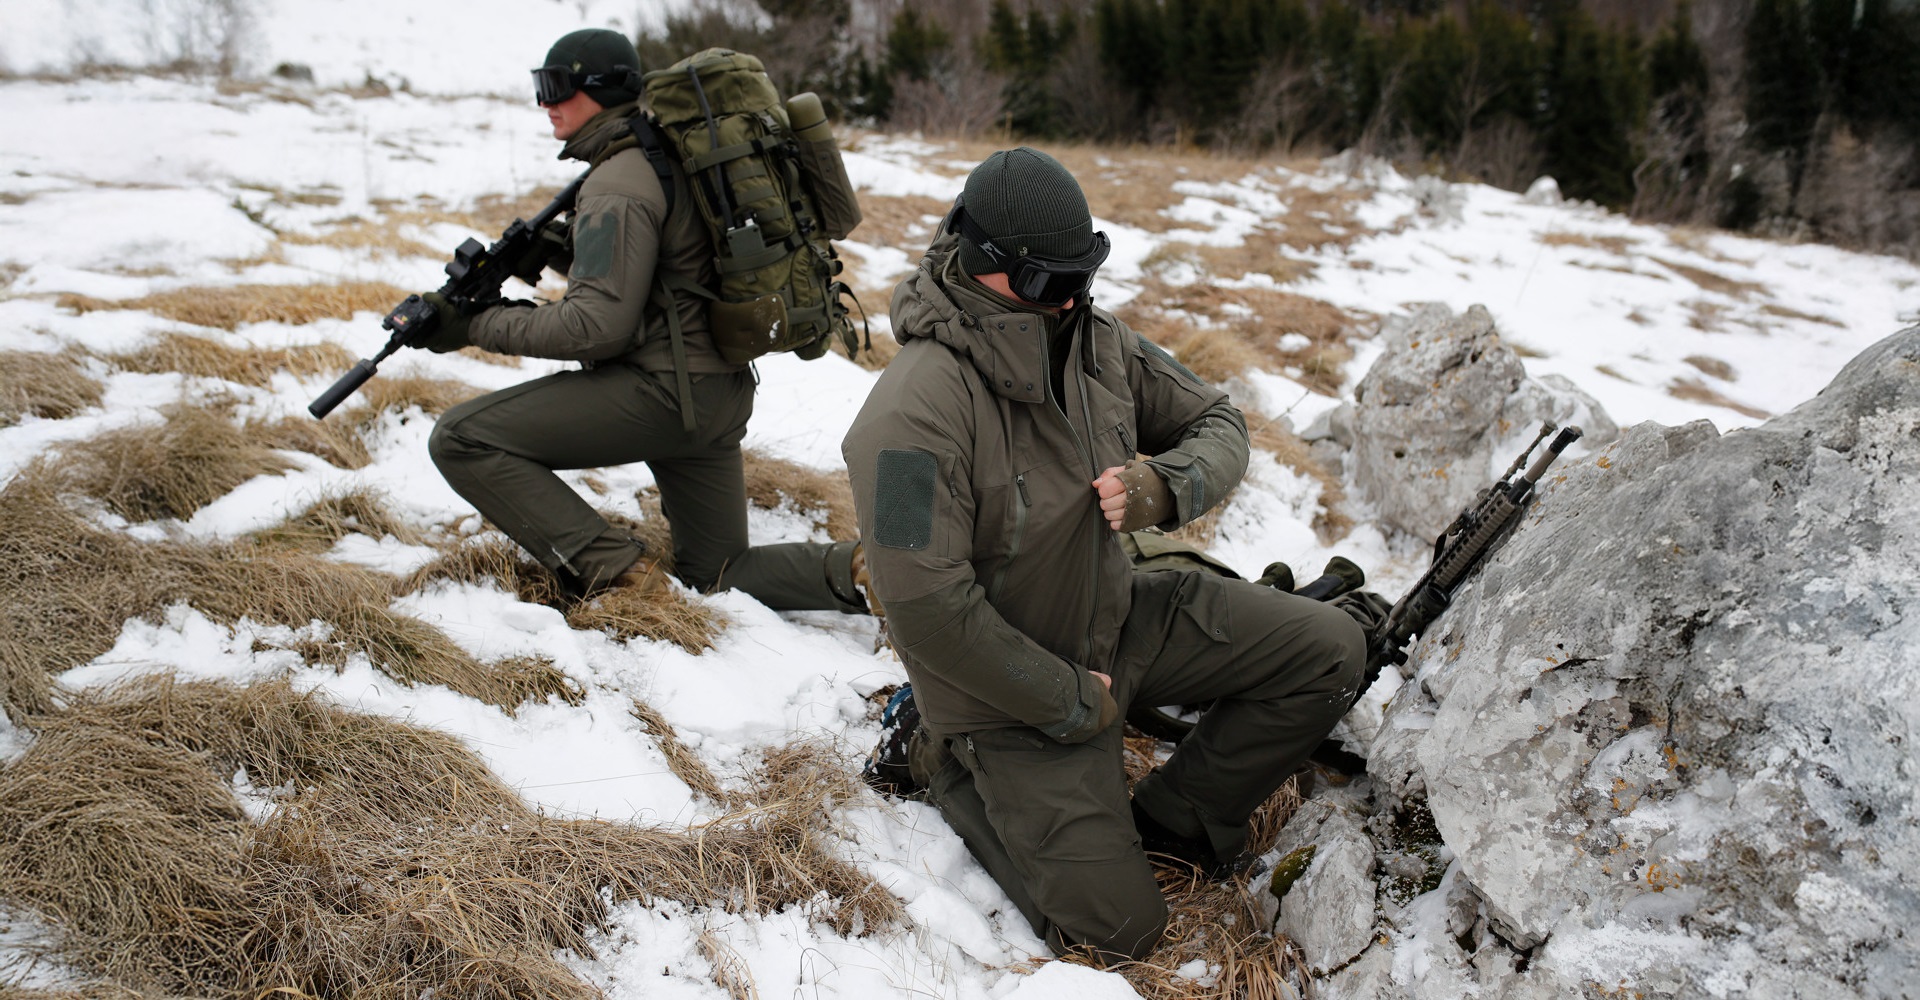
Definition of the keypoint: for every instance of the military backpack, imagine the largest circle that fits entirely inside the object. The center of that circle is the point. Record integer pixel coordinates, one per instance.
(768, 181)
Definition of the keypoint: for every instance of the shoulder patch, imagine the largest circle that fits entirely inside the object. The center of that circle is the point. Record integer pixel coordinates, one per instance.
(1160, 352)
(903, 484)
(594, 240)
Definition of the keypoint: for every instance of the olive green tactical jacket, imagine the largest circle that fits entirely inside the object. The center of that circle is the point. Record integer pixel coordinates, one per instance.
(1002, 581)
(620, 233)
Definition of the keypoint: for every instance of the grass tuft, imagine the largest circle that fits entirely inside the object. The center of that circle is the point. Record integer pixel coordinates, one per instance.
(358, 510)
(826, 495)
(51, 386)
(681, 760)
(391, 864)
(194, 457)
(200, 356)
(227, 307)
(1258, 319)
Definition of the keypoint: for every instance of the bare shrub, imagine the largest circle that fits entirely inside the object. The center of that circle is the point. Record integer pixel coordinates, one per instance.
(1504, 153)
(395, 863)
(194, 457)
(191, 355)
(826, 495)
(227, 307)
(50, 385)
(959, 97)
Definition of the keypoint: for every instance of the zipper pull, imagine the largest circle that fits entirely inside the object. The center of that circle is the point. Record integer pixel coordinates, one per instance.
(1021, 481)
(970, 752)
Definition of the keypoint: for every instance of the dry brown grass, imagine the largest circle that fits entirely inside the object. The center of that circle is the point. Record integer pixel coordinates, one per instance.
(1617, 245)
(681, 760)
(50, 385)
(1218, 923)
(1258, 319)
(1695, 391)
(433, 396)
(226, 307)
(67, 587)
(358, 510)
(340, 442)
(395, 864)
(904, 222)
(1331, 522)
(826, 496)
(1784, 313)
(1710, 280)
(1712, 366)
(200, 356)
(662, 616)
(194, 456)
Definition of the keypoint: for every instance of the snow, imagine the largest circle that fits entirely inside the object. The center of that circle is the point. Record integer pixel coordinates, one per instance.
(122, 185)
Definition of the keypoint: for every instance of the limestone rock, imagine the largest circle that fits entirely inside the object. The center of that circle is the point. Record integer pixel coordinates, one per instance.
(1443, 411)
(1669, 732)
(1329, 912)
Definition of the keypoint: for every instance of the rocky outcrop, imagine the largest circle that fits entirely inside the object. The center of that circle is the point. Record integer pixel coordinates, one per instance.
(1667, 737)
(1441, 413)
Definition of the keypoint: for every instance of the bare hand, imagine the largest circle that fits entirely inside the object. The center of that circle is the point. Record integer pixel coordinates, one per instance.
(1113, 496)
(1104, 679)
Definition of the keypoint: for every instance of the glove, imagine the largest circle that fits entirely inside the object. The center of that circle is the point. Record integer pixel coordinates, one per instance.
(450, 325)
(1142, 496)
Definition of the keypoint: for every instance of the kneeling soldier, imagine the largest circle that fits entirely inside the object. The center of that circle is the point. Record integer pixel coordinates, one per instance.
(994, 468)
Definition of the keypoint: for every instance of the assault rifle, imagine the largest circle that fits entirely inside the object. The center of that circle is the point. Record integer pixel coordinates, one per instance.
(1460, 549)
(474, 277)
(1458, 553)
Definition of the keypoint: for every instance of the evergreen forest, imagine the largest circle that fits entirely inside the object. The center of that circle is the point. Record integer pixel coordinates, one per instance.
(1791, 118)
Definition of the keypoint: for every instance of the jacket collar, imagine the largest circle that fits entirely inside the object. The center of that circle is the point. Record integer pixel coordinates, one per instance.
(1005, 343)
(598, 131)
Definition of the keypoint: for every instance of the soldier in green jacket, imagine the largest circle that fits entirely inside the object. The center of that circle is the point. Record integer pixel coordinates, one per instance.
(994, 468)
(499, 451)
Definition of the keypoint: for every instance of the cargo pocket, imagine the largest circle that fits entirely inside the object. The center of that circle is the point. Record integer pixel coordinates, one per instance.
(1204, 619)
(1051, 801)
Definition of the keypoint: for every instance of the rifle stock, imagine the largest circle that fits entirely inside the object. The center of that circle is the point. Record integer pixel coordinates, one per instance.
(474, 277)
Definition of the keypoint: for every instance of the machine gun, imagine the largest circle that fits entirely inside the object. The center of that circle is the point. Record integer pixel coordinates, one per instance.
(474, 277)
(1460, 550)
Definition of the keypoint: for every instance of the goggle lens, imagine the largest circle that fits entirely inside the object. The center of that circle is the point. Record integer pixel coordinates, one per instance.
(552, 84)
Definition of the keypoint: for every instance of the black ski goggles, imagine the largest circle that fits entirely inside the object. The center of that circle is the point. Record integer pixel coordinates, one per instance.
(554, 84)
(1051, 283)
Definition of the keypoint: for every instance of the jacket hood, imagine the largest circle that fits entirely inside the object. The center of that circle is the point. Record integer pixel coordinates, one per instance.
(1004, 343)
(598, 131)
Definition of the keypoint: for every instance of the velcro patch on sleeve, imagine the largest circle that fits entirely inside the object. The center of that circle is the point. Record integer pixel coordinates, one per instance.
(903, 485)
(594, 240)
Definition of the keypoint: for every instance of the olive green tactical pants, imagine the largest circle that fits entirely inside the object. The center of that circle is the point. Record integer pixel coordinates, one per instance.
(499, 451)
(1051, 821)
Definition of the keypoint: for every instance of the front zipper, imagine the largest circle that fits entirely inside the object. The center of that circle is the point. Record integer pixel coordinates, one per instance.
(1019, 532)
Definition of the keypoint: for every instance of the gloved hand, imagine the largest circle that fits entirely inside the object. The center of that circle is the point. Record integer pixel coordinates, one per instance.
(1134, 496)
(449, 328)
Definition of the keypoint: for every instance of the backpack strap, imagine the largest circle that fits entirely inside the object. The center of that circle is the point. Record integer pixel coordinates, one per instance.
(641, 135)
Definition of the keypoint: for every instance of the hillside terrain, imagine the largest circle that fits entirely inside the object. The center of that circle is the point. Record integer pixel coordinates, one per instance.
(280, 708)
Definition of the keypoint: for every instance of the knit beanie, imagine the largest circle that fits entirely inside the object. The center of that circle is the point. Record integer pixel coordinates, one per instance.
(1029, 205)
(599, 50)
